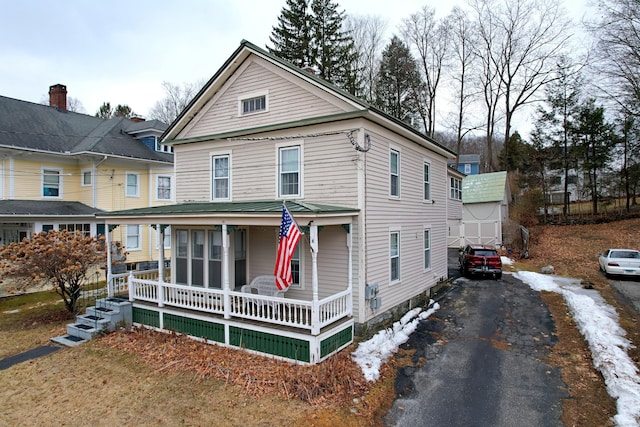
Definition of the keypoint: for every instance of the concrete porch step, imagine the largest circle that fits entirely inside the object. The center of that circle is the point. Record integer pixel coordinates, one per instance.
(82, 331)
(97, 322)
(68, 340)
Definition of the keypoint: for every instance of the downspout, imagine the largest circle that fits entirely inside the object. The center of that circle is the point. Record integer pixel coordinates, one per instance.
(107, 242)
(11, 178)
(150, 232)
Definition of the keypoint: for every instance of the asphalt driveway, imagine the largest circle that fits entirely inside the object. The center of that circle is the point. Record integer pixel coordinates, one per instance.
(630, 291)
(484, 351)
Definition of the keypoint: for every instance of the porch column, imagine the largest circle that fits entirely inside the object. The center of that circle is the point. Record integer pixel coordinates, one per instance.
(350, 272)
(225, 272)
(315, 307)
(107, 242)
(161, 254)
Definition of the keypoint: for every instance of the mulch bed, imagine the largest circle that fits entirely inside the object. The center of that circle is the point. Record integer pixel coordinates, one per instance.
(335, 381)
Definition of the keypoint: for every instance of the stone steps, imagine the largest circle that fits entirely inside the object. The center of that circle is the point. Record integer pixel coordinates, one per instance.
(104, 317)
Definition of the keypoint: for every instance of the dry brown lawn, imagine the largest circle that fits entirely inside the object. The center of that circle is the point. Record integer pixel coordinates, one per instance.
(145, 378)
(572, 251)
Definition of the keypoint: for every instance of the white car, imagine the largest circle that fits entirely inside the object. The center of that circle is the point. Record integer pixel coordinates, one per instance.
(620, 262)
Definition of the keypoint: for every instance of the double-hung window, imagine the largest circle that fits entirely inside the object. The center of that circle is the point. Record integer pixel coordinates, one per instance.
(289, 171)
(295, 267)
(163, 187)
(133, 238)
(220, 174)
(394, 173)
(166, 243)
(133, 184)
(455, 189)
(394, 256)
(427, 248)
(427, 181)
(51, 183)
(86, 177)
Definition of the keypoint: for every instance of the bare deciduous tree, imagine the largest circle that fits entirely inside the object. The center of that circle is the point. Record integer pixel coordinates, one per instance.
(520, 42)
(175, 100)
(368, 36)
(462, 42)
(429, 38)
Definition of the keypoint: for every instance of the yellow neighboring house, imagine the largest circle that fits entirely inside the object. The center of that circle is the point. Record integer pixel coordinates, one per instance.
(59, 168)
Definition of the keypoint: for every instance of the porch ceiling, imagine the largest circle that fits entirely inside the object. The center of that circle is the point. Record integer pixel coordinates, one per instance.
(237, 213)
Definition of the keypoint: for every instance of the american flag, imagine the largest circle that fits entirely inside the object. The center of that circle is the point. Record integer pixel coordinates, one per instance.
(289, 237)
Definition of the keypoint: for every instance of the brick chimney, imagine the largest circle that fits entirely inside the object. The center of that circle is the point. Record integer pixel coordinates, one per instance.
(58, 96)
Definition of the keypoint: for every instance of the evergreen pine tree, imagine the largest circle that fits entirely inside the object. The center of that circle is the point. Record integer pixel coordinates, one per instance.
(309, 33)
(398, 81)
(291, 38)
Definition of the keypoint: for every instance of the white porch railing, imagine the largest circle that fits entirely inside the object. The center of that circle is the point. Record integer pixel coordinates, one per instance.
(271, 310)
(119, 283)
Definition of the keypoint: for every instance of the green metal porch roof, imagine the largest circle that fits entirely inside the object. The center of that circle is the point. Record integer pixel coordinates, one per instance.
(484, 187)
(256, 207)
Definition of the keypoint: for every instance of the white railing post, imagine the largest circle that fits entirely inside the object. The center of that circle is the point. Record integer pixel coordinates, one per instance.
(160, 294)
(132, 293)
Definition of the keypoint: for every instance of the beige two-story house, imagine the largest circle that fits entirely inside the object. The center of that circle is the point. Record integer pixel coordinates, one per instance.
(368, 191)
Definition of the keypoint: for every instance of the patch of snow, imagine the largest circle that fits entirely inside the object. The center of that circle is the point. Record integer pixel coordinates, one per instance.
(598, 323)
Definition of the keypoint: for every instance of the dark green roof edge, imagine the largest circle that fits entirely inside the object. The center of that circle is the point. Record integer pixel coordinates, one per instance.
(255, 207)
(270, 128)
(297, 70)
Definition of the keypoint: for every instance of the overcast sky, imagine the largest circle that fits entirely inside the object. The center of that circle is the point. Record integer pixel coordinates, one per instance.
(122, 51)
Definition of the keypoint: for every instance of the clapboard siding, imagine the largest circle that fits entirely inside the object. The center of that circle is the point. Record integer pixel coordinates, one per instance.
(410, 214)
(329, 168)
(287, 101)
(332, 260)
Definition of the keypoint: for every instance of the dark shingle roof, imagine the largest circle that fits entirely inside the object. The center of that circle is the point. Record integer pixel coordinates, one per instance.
(48, 208)
(36, 127)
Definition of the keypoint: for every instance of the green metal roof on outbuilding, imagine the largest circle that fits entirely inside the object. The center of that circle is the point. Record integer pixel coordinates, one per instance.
(484, 187)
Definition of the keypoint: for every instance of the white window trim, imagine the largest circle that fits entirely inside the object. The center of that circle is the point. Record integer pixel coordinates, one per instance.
(167, 235)
(427, 228)
(127, 248)
(82, 173)
(301, 251)
(452, 189)
(397, 151)
(160, 147)
(396, 231)
(212, 156)
(158, 186)
(126, 184)
(467, 168)
(300, 195)
(60, 175)
(426, 163)
(251, 95)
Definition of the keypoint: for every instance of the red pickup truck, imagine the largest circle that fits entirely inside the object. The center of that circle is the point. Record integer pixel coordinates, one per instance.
(480, 260)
